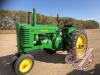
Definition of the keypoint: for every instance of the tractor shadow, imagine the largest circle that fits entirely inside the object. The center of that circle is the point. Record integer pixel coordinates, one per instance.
(5, 66)
(5, 61)
(95, 71)
(49, 58)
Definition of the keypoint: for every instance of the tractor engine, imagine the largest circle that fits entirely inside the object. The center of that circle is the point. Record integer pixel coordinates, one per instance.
(38, 37)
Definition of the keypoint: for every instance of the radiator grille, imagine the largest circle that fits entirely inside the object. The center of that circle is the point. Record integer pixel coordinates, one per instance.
(24, 36)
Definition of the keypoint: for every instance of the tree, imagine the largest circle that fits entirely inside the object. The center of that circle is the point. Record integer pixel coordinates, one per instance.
(22, 17)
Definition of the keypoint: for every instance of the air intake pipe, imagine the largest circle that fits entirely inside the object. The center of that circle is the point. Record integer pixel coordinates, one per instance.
(34, 17)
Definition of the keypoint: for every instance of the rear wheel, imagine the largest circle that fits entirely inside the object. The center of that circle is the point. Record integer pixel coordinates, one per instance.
(79, 44)
(24, 64)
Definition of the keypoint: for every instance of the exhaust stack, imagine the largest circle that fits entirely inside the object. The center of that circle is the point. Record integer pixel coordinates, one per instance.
(29, 19)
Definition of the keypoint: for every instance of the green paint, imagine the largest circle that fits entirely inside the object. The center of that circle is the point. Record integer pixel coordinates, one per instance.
(36, 37)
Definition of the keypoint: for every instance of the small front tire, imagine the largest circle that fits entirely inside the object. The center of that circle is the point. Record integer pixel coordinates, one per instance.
(24, 64)
(13, 60)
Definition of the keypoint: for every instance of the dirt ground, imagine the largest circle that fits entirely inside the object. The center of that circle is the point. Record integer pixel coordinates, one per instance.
(46, 64)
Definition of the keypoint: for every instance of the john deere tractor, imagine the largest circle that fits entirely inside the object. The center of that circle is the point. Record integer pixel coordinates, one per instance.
(51, 38)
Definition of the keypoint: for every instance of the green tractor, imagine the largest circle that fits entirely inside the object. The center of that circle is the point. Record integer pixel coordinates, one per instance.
(51, 38)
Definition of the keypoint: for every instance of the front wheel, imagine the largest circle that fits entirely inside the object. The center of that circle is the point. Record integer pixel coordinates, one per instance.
(24, 64)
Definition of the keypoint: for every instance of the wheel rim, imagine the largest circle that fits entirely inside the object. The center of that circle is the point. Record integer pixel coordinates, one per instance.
(81, 45)
(25, 65)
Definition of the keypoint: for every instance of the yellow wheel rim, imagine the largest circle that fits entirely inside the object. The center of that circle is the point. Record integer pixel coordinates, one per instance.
(81, 45)
(25, 65)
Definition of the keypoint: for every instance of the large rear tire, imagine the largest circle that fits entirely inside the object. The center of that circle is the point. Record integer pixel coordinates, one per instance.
(79, 44)
(24, 64)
